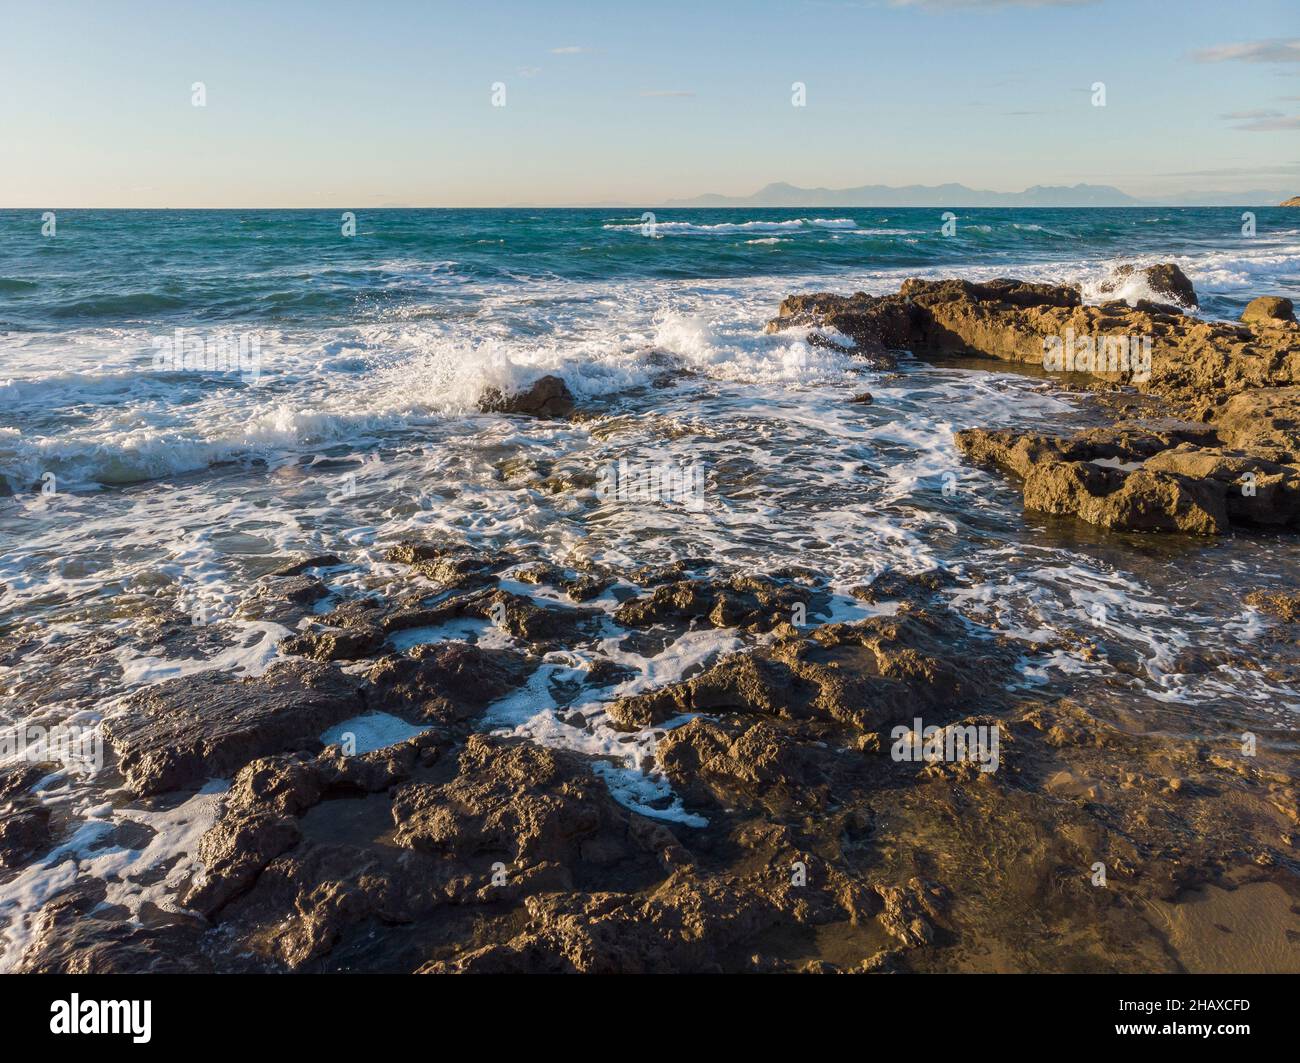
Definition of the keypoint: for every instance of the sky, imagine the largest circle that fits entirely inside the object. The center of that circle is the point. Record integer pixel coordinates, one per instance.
(391, 103)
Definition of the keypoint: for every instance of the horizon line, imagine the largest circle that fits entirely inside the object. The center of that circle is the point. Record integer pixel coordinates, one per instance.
(721, 206)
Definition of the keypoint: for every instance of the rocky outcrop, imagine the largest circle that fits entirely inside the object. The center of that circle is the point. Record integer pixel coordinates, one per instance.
(1132, 479)
(445, 682)
(1155, 348)
(855, 677)
(179, 733)
(749, 602)
(546, 397)
(1234, 457)
(1294, 201)
(801, 843)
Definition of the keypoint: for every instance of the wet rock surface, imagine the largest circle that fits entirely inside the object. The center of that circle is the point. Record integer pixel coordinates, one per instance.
(860, 676)
(181, 732)
(445, 682)
(809, 837)
(546, 397)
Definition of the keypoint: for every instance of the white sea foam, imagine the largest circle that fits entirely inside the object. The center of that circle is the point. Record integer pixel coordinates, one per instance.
(734, 228)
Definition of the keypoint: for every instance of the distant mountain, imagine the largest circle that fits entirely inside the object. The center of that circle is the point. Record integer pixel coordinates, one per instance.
(781, 194)
(948, 195)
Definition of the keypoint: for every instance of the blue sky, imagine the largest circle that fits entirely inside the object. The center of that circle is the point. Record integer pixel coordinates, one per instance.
(346, 104)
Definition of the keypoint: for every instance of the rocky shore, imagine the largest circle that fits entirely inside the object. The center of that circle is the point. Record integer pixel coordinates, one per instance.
(1101, 835)
(1216, 444)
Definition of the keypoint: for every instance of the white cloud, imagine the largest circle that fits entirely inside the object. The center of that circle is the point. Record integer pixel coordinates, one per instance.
(1269, 125)
(1272, 50)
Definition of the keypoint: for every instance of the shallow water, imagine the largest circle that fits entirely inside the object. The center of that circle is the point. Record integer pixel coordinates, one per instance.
(176, 490)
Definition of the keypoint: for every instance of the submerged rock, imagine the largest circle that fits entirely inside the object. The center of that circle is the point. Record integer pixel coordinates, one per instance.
(282, 599)
(1285, 605)
(77, 933)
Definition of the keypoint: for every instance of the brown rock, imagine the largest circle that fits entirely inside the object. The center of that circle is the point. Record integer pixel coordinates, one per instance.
(445, 682)
(1193, 361)
(1136, 501)
(1269, 308)
(1164, 279)
(860, 676)
(1285, 605)
(179, 733)
(334, 645)
(546, 397)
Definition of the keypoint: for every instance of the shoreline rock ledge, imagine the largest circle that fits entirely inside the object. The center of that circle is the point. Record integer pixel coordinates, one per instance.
(1224, 450)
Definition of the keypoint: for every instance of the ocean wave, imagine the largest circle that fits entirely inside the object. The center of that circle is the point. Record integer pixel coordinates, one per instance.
(125, 305)
(735, 228)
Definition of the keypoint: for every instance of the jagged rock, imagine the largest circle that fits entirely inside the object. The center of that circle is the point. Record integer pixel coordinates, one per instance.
(861, 676)
(1130, 479)
(260, 817)
(527, 620)
(744, 762)
(580, 587)
(452, 566)
(1195, 362)
(335, 645)
(181, 732)
(522, 802)
(909, 911)
(750, 602)
(546, 397)
(445, 682)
